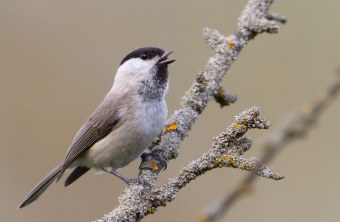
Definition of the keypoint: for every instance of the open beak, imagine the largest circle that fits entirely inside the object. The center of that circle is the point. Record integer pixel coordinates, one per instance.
(164, 58)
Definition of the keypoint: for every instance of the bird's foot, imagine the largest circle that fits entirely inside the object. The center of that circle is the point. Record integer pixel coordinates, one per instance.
(155, 161)
(128, 181)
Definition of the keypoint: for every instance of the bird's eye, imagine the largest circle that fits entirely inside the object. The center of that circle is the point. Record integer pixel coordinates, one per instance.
(143, 56)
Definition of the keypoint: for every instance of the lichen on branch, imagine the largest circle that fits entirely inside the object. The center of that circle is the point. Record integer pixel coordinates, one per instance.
(295, 127)
(226, 151)
(138, 201)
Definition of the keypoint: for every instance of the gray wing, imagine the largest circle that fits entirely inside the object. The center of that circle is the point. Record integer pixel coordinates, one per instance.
(85, 138)
(100, 124)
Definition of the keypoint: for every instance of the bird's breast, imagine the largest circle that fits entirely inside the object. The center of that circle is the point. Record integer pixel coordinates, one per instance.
(138, 128)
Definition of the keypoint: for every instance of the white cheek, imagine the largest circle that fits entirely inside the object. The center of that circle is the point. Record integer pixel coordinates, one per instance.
(132, 72)
(134, 68)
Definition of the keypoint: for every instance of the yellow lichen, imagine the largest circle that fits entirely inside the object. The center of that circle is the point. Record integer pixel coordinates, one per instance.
(231, 44)
(150, 211)
(202, 81)
(219, 162)
(230, 159)
(221, 92)
(154, 165)
(172, 126)
(205, 83)
(238, 125)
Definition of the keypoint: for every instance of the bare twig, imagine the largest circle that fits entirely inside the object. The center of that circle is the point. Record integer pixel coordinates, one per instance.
(135, 202)
(295, 128)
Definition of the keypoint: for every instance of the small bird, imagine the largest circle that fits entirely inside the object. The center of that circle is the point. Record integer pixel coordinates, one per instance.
(129, 118)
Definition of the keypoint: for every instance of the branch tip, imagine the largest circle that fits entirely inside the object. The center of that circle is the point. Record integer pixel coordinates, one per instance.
(135, 203)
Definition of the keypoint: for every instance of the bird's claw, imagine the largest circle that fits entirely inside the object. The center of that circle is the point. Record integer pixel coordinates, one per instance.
(153, 156)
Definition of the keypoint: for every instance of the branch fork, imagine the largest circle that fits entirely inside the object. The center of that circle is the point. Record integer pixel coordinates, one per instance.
(136, 202)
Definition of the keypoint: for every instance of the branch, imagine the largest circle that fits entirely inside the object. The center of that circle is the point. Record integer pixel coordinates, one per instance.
(297, 127)
(226, 151)
(135, 201)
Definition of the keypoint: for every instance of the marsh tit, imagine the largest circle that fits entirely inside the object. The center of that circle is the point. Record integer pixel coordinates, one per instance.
(129, 118)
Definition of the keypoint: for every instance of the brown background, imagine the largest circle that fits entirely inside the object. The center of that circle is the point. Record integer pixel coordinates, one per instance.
(58, 59)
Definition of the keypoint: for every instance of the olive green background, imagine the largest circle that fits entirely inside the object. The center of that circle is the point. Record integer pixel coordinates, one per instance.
(57, 62)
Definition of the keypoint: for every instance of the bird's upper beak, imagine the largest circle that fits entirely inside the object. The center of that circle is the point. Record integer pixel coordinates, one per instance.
(164, 58)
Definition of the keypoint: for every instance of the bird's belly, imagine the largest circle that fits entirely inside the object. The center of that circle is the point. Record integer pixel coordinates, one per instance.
(127, 141)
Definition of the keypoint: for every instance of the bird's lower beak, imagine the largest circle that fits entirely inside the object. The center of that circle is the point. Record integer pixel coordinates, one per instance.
(164, 58)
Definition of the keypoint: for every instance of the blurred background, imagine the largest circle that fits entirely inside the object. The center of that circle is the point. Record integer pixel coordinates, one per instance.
(57, 62)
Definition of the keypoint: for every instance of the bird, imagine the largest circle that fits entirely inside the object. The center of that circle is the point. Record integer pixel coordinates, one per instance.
(124, 124)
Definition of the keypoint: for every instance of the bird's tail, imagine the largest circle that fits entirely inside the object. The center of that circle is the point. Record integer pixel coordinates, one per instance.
(41, 186)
